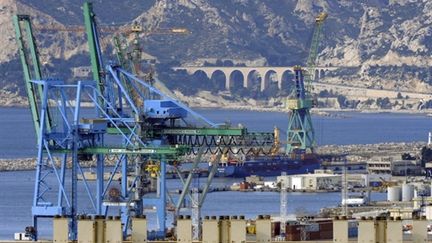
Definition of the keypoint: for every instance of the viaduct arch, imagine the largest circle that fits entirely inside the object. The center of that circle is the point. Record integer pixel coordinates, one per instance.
(279, 73)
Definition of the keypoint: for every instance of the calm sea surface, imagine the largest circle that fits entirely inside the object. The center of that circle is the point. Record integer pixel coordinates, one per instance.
(16, 190)
(17, 137)
(17, 140)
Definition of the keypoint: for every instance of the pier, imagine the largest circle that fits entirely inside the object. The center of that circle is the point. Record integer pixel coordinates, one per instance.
(236, 229)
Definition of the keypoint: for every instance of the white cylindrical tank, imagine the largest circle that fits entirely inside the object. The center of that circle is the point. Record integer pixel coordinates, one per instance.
(407, 192)
(394, 193)
(428, 212)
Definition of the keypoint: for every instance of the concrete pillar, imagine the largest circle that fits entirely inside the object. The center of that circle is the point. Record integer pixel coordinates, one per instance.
(315, 75)
(184, 229)
(264, 82)
(139, 229)
(394, 232)
(227, 79)
(86, 230)
(263, 229)
(237, 229)
(279, 78)
(210, 230)
(419, 230)
(60, 229)
(224, 233)
(245, 78)
(100, 228)
(209, 73)
(113, 230)
(367, 231)
(340, 229)
(381, 230)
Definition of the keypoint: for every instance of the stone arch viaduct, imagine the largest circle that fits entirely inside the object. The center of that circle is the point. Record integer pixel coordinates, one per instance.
(247, 72)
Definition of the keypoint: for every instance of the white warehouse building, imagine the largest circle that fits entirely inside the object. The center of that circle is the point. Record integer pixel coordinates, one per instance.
(320, 181)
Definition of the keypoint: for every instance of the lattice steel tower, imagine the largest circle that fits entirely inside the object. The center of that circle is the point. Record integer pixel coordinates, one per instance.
(300, 132)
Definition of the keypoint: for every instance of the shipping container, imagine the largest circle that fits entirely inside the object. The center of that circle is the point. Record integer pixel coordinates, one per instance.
(293, 236)
(314, 235)
(275, 229)
(244, 186)
(325, 235)
(326, 226)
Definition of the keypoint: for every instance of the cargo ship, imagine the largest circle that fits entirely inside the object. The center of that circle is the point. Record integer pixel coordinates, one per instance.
(297, 162)
(269, 166)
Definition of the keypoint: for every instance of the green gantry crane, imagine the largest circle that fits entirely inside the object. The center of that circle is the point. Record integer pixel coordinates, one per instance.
(31, 67)
(300, 132)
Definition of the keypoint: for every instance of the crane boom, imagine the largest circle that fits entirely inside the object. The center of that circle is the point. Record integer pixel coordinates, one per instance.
(113, 29)
(31, 67)
(313, 51)
(94, 47)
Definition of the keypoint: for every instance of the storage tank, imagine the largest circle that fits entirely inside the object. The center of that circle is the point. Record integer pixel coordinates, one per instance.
(407, 192)
(394, 193)
(428, 212)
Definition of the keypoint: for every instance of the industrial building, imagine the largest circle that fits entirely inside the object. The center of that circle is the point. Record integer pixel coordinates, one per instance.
(351, 167)
(393, 166)
(313, 182)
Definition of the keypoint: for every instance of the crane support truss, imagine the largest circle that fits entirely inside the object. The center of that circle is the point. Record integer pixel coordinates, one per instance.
(300, 132)
(78, 139)
(239, 140)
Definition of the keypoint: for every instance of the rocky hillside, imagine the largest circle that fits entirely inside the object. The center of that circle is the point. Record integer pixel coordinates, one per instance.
(384, 44)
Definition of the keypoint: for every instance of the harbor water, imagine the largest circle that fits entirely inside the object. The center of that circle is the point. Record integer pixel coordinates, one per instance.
(16, 190)
(17, 140)
(17, 137)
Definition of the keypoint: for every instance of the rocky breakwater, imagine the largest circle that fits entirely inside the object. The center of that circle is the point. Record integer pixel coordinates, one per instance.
(369, 150)
(17, 164)
(30, 164)
(12, 99)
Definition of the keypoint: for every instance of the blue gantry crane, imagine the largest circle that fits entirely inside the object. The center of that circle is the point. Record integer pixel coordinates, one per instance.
(128, 127)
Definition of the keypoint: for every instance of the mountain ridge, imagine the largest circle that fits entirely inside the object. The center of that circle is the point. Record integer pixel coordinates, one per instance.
(386, 44)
